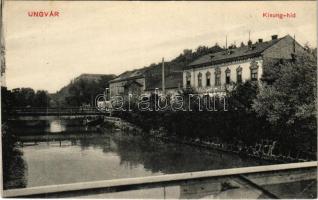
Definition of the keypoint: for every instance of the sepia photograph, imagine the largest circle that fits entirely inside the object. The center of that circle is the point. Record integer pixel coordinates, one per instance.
(159, 99)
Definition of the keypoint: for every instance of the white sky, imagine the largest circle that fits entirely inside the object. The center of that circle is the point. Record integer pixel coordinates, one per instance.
(111, 37)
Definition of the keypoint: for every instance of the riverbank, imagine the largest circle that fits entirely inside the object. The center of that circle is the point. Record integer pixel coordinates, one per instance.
(125, 154)
(263, 151)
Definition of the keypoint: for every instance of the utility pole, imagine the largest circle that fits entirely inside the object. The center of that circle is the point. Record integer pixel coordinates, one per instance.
(163, 77)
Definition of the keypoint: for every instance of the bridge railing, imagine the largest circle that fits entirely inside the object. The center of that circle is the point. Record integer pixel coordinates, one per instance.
(54, 110)
(255, 176)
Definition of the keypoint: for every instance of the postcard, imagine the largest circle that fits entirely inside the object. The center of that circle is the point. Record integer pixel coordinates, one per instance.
(159, 100)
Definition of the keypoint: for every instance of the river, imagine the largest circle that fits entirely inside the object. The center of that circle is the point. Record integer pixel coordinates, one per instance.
(58, 151)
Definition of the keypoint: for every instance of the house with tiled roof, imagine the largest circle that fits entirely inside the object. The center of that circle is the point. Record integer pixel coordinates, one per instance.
(173, 83)
(146, 81)
(129, 82)
(217, 71)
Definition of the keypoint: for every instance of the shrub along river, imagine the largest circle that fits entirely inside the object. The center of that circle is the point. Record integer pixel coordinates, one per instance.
(57, 151)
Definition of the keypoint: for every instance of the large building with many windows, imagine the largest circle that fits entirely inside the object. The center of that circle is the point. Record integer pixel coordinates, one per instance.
(217, 71)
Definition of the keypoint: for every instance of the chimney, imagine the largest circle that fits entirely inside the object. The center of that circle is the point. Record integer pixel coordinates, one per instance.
(274, 37)
(260, 40)
(249, 43)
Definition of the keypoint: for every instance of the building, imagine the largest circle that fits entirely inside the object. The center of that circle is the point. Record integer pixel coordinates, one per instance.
(217, 71)
(147, 80)
(164, 78)
(172, 84)
(129, 82)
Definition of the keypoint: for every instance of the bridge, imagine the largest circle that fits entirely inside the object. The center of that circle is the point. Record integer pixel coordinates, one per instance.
(294, 180)
(57, 111)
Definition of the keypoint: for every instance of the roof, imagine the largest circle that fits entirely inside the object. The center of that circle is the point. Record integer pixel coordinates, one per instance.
(233, 54)
(172, 80)
(130, 82)
(128, 75)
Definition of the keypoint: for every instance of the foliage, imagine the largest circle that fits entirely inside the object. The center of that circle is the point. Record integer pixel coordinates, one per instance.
(25, 97)
(12, 162)
(289, 102)
(82, 91)
(189, 56)
(292, 96)
(241, 98)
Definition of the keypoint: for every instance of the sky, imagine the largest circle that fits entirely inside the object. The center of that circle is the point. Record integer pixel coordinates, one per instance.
(108, 37)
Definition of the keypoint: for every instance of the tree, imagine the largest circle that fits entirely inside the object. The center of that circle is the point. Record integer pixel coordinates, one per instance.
(288, 103)
(84, 91)
(241, 98)
(12, 163)
(41, 98)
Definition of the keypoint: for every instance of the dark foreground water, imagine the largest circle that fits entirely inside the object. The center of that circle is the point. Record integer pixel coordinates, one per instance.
(57, 151)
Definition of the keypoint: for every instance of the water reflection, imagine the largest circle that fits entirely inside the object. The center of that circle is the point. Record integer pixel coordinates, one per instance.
(56, 126)
(159, 156)
(110, 156)
(65, 153)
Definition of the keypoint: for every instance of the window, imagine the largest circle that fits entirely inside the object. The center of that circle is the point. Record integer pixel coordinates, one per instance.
(208, 79)
(254, 70)
(188, 79)
(254, 74)
(217, 77)
(239, 75)
(227, 76)
(199, 80)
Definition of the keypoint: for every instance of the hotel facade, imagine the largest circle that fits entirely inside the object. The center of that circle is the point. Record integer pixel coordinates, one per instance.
(214, 73)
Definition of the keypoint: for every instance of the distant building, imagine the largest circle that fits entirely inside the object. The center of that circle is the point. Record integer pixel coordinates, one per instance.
(217, 71)
(172, 78)
(129, 82)
(173, 84)
(147, 80)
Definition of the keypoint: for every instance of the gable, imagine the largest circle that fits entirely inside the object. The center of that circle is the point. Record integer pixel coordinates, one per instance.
(283, 49)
